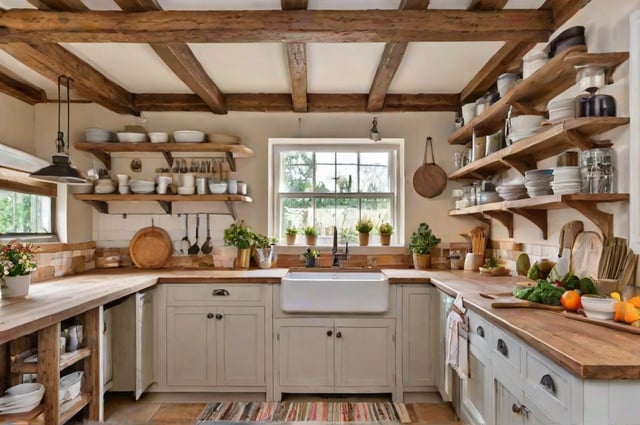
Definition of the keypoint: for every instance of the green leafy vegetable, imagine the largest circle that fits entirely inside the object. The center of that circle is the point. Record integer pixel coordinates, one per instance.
(543, 293)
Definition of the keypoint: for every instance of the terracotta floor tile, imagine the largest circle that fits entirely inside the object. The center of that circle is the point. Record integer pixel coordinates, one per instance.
(177, 413)
(435, 413)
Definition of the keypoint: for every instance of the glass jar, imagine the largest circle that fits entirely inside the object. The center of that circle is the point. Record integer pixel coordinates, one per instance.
(597, 171)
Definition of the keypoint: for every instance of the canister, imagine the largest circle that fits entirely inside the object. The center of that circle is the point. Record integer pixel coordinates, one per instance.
(598, 171)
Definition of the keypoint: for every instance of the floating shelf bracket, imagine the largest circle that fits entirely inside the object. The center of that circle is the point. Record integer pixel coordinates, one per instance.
(166, 206)
(537, 217)
(231, 160)
(232, 209)
(100, 206)
(103, 157)
(603, 220)
(579, 140)
(504, 217)
(520, 164)
(168, 157)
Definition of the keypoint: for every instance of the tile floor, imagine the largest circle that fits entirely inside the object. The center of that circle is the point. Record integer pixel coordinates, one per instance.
(154, 409)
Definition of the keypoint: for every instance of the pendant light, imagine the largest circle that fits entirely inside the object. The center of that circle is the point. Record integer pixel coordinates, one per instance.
(61, 170)
(373, 132)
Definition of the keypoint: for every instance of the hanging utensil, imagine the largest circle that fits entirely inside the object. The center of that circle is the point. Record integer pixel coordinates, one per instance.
(429, 180)
(194, 249)
(185, 243)
(207, 247)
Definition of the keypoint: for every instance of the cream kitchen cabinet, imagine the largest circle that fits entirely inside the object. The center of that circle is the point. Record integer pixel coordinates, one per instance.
(341, 355)
(443, 303)
(476, 392)
(212, 337)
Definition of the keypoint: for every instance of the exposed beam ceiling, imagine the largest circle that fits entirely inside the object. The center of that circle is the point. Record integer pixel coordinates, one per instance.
(487, 4)
(297, 60)
(20, 90)
(563, 10)
(59, 5)
(276, 26)
(389, 62)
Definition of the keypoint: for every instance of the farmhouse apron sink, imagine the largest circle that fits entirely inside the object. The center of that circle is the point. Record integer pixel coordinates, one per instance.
(334, 292)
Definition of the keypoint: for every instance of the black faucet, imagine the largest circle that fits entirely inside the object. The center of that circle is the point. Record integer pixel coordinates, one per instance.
(336, 256)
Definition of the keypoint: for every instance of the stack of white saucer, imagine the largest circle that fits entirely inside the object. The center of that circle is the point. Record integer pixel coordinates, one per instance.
(566, 180)
(538, 182)
(511, 192)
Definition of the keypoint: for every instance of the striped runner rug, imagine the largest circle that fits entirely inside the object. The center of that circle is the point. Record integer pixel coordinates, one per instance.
(329, 411)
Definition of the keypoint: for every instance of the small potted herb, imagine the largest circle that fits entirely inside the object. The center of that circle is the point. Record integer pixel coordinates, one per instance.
(17, 261)
(264, 251)
(240, 236)
(364, 226)
(311, 235)
(310, 256)
(385, 229)
(422, 241)
(291, 233)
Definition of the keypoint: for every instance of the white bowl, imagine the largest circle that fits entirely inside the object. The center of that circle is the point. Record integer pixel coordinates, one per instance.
(526, 123)
(224, 139)
(186, 190)
(598, 308)
(217, 187)
(158, 137)
(82, 188)
(98, 135)
(188, 136)
(129, 137)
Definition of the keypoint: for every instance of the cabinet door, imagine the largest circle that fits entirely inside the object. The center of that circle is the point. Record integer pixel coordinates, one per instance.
(305, 352)
(506, 403)
(240, 346)
(418, 336)
(364, 353)
(444, 302)
(191, 346)
(106, 348)
(144, 342)
(476, 390)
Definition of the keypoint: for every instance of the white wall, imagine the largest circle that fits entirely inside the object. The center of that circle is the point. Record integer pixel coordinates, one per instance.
(16, 122)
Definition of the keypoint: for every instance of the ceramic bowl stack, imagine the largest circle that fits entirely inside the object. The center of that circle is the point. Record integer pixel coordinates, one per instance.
(98, 135)
(21, 398)
(131, 137)
(538, 182)
(511, 192)
(188, 136)
(142, 186)
(561, 109)
(524, 126)
(566, 180)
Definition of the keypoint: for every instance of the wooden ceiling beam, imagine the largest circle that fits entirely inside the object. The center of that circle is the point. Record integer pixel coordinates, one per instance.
(563, 10)
(52, 60)
(487, 4)
(223, 26)
(297, 60)
(281, 102)
(20, 90)
(59, 5)
(389, 63)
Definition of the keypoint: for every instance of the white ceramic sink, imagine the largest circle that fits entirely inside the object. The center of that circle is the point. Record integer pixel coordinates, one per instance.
(334, 292)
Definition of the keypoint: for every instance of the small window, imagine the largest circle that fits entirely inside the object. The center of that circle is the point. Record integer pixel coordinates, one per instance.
(25, 214)
(326, 183)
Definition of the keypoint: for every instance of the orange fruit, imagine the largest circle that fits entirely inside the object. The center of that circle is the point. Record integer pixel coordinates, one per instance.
(570, 300)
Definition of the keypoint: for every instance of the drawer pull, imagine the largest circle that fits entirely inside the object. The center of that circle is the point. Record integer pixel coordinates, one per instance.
(547, 383)
(339, 335)
(516, 408)
(480, 331)
(219, 316)
(329, 333)
(220, 293)
(502, 347)
(209, 315)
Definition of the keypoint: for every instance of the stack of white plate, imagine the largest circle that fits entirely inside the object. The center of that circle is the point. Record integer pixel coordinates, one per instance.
(566, 180)
(98, 135)
(511, 192)
(523, 126)
(188, 136)
(561, 109)
(131, 137)
(538, 182)
(21, 398)
(142, 186)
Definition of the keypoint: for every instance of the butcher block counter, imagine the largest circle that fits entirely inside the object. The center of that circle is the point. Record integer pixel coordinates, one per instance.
(587, 350)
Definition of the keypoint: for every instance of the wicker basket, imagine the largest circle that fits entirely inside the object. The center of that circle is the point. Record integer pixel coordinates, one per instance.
(606, 286)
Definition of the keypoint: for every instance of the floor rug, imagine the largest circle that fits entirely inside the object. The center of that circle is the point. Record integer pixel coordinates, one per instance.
(326, 412)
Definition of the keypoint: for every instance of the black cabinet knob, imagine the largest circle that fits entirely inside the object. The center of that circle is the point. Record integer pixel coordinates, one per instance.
(219, 316)
(480, 331)
(516, 408)
(209, 315)
(329, 333)
(220, 293)
(547, 383)
(502, 348)
(338, 334)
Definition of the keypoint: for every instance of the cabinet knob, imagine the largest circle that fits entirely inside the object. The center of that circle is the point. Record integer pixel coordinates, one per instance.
(516, 408)
(329, 333)
(338, 334)
(480, 331)
(209, 315)
(547, 383)
(219, 316)
(502, 347)
(220, 293)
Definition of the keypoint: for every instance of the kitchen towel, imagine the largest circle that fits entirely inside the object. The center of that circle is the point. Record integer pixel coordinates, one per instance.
(333, 412)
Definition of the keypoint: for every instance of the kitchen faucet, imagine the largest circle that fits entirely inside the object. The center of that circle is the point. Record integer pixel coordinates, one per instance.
(336, 256)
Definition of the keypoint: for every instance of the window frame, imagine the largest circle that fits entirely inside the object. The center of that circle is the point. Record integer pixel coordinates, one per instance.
(396, 178)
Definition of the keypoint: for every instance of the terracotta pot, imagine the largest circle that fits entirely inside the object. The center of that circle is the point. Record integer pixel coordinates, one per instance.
(15, 286)
(291, 239)
(385, 239)
(311, 240)
(243, 257)
(363, 238)
(421, 261)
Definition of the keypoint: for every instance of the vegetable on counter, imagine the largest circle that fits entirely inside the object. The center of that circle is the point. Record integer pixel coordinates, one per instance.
(550, 293)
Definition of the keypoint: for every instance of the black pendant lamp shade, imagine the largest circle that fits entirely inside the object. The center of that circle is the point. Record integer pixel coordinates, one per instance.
(61, 170)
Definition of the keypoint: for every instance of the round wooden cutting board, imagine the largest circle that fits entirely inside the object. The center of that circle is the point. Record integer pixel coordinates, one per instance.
(150, 248)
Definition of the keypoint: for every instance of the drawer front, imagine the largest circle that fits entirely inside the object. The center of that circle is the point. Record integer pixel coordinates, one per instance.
(548, 386)
(218, 293)
(506, 349)
(480, 331)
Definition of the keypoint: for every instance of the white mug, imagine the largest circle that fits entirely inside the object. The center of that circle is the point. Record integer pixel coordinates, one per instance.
(123, 179)
(242, 188)
(188, 180)
(233, 186)
(162, 188)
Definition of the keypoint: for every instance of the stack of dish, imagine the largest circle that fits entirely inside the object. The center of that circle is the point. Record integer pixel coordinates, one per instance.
(131, 137)
(142, 186)
(487, 197)
(511, 192)
(566, 180)
(98, 135)
(158, 137)
(561, 109)
(188, 136)
(538, 182)
(523, 126)
(21, 398)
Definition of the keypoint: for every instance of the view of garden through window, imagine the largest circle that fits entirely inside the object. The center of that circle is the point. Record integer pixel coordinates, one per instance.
(22, 213)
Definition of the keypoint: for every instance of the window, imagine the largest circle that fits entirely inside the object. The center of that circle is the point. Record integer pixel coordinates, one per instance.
(335, 182)
(24, 213)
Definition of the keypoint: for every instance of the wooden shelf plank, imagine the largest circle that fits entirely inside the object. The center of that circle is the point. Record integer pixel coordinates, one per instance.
(74, 407)
(66, 360)
(152, 197)
(238, 151)
(19, 418)
(535, 91)
(550, 202)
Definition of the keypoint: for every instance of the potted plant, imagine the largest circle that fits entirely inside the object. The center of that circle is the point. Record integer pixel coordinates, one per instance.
(291, 233)
(263, 252)
(17, 261)
(310, 256)
(240, 236)
(385, 229)
(364, 226)
(311, 234)
(422, 241)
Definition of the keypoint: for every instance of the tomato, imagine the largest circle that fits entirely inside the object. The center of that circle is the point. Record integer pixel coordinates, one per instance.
(570, 300)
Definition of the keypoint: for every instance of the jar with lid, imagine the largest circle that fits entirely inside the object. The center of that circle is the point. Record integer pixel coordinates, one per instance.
(598, 171)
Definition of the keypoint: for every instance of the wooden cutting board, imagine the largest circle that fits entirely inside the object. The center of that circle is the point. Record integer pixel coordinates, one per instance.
(526, 304)
(606, 323)
(150, 248)
(585, 254)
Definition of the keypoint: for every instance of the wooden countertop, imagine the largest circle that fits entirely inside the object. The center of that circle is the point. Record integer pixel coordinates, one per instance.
(589, 351)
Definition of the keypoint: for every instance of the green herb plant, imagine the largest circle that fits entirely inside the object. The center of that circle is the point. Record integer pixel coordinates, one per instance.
(239, 235)
(364, 225)
(310, 231)
(423, 240)
(385, 227)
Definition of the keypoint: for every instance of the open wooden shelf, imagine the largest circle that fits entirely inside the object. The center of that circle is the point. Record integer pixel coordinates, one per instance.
(103, 151)
(535, 210)
(101, 201)
(74, 407)
(66, 360)
(532, 94)
(20, 418)
(550, 141)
